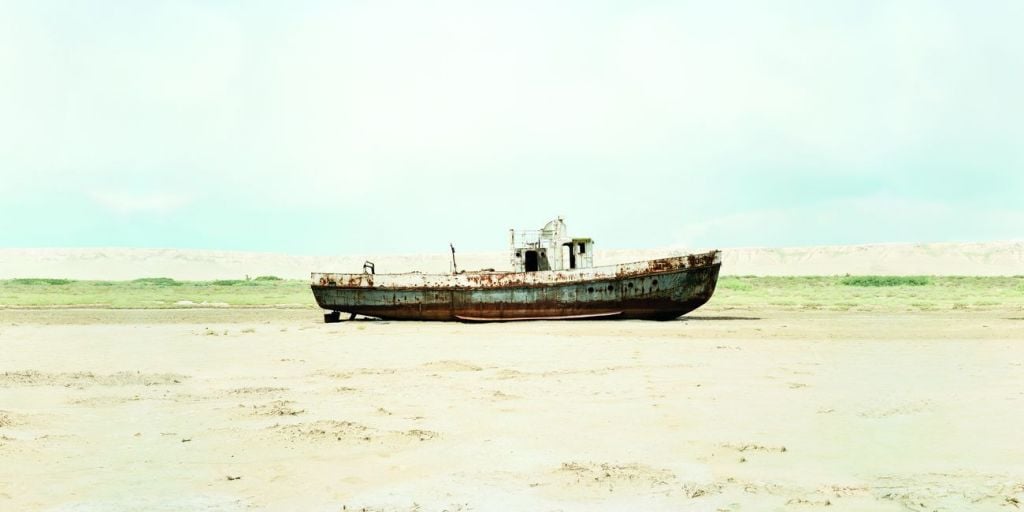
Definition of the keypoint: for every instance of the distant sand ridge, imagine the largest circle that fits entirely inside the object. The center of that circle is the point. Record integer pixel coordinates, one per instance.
(981, 259)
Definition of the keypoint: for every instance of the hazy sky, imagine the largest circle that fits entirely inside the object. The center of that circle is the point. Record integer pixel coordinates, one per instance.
(372, 126)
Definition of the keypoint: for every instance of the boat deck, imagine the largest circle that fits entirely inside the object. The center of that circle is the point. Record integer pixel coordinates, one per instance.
(414, 280)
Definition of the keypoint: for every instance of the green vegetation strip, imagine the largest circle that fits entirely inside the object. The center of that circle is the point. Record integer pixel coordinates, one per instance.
(870, 293)
(834, 293)
(885, 281)
(156, 293)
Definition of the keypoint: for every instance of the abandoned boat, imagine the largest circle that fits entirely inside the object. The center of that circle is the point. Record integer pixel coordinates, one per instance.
(553, 278)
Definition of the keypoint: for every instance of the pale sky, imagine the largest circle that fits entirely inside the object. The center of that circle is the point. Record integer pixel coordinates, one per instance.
(360, 127)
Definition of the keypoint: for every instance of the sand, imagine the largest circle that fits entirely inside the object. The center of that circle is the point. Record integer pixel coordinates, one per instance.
(224, 410)
(977, 259)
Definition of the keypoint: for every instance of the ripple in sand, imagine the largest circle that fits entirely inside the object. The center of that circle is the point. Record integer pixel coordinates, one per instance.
(264, 390)
(452, 366)
(631, 478)
(8, 419)
(898, 410)
(83, 379)
(273, 408)
(333, 430)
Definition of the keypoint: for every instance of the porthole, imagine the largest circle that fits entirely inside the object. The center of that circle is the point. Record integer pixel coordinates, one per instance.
(654, 283)
(630, 286)
(590, 290)
(610, 287)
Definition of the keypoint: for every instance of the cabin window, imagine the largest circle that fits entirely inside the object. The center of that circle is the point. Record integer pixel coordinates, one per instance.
(519, 254)
(531, 262)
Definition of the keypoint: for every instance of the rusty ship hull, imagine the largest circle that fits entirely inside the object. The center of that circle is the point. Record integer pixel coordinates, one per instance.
(659, 289)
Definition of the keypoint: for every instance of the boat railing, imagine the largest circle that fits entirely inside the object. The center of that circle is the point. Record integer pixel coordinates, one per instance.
(530, 236)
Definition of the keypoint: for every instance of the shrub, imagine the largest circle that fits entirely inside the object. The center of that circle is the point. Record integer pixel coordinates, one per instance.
(885, 281)
(36, 280)
(157, 281)
(268, 278)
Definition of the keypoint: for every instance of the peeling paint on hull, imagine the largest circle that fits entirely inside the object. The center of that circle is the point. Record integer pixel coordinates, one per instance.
(656, 289)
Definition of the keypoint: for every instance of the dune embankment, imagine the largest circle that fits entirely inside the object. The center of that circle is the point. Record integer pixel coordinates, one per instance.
(978, 259)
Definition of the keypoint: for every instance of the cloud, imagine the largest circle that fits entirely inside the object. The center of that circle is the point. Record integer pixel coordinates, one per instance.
(790, 121)
(125, 202)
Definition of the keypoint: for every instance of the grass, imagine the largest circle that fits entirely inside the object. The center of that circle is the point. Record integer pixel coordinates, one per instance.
(155, 281)
(870, 293)
(37, 281)
(885, 281)
(229, 282)
(155, 292)
(832, 293)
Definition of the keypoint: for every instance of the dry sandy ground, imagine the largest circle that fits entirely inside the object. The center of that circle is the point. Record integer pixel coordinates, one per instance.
(270, 410)
(977, 259)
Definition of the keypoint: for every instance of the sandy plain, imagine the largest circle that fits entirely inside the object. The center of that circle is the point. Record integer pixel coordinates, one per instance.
(724, 410)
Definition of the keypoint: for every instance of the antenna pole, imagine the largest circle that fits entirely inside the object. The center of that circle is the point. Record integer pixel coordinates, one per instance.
(455, 268)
